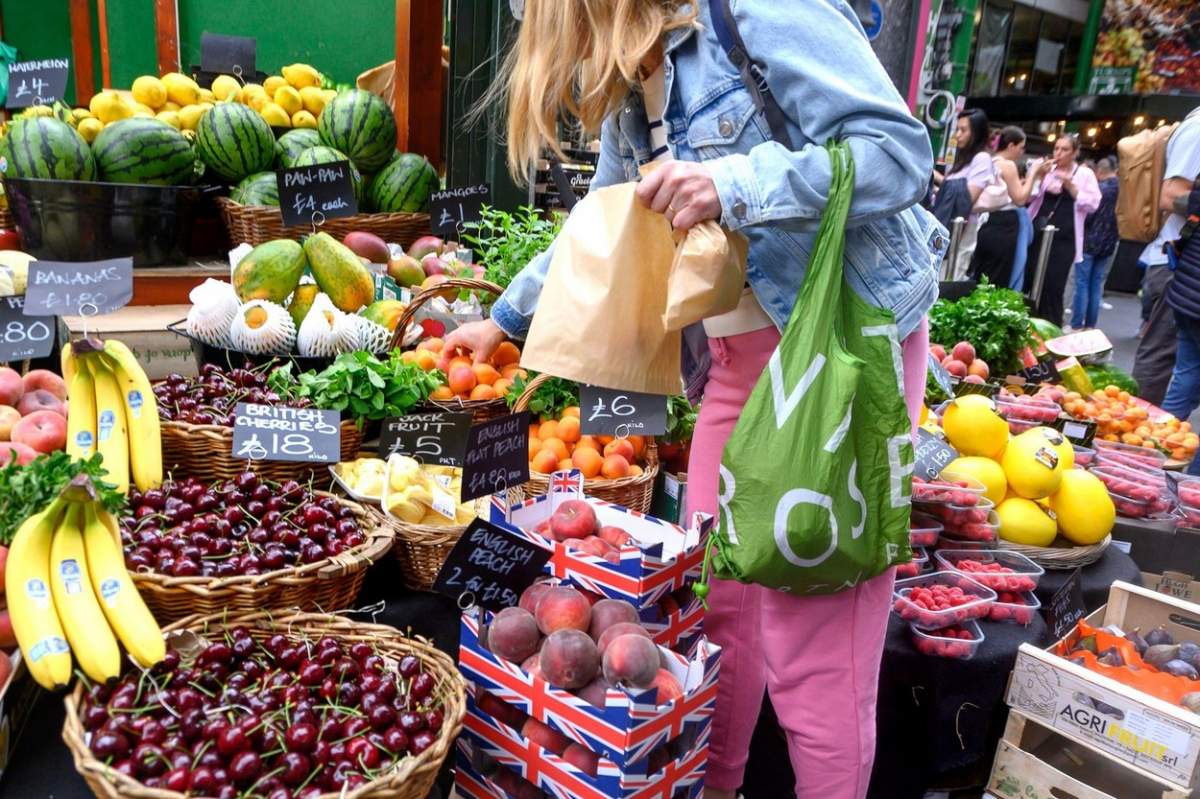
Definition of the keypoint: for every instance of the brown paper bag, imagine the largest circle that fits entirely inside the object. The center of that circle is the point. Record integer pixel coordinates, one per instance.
(601, 317)
(707, 275)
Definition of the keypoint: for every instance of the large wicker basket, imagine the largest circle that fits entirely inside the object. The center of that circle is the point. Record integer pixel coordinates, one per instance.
(480, 410)
(413, 777)
(331, 584)
(205, 451)
(635, 493)
(255, 224)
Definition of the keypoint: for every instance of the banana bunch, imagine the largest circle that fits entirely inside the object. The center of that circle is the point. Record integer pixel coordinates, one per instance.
(112, 411)
(70, 594)
(425, 494)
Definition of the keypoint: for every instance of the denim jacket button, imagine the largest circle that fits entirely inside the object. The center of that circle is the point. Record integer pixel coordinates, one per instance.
(739, 209)
(725, 127)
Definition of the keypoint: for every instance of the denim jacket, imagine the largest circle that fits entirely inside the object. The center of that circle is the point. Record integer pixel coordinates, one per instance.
(829, 84)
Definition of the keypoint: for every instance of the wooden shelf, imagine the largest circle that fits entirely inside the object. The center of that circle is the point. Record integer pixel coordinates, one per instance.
(170, 285)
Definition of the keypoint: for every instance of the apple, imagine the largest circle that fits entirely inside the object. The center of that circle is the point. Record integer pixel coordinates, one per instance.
(23, 453)
(405, 270)
(367, 245)
(12, 387)
(573, 519)
(43, 431)
(40, 400)
(9, 416)
(963, 351)
(937, 351)
(47, 380)
(425, 245)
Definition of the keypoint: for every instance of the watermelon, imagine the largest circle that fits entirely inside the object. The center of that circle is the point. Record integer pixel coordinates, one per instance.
(294, 142)
(44, 147)
(328, 155)
(360, 125)
(141, 150)
(261, 188)
(404, 185)
(234, 141)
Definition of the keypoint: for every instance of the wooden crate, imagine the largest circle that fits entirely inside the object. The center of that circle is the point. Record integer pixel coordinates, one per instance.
(1034, 762)
(1156, 737)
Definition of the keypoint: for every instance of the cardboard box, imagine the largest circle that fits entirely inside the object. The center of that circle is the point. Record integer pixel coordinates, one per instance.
(628, 728)
(1157, 546)
(670, 497)
(1173, 583)
(143, 328)
(1155, 736)
(1033, 762)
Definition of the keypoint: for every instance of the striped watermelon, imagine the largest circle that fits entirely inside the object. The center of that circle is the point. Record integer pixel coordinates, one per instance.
(260, 188)
(294, 142)
(328, 155)
(361, 125)
(234, 141)
(141, 150)
(44, 147)
(404, 185)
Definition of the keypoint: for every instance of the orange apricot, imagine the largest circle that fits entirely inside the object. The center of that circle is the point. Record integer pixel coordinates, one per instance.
(556, 446)
(431, 344)
(441, 393)
(544, 462)
(571, 410)
(620, 447)
(568, 429)
(426, 360)
(512, 372)
(587, 460)
(502, 386)
(548, 429)
(639, 446)
(483, 392)
(485, 373)
(408, 357)
(635, 470)
(589, 441)
(614, 467)
(535, 446)
(565, 465)
(505, 354)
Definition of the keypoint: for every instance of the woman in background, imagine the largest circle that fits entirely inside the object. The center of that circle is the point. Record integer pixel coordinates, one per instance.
(969, 175)
(996, 246)
(1100, 240)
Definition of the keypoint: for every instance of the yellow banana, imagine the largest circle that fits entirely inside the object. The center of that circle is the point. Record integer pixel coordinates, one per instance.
(119, 599)
(112, 440)
(35, 621)
(81, 416)
(66, 359)
(141, 416)
(87, 630)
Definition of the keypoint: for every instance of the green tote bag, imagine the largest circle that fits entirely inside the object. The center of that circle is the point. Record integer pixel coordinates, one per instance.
(816, 478)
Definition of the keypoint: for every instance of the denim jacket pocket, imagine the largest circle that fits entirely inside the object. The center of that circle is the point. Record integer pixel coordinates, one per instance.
(724, 124)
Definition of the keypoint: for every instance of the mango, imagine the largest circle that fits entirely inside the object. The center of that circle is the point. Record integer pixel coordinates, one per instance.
(339, 272)
(385, 313)
(271, 271)
(302, 301)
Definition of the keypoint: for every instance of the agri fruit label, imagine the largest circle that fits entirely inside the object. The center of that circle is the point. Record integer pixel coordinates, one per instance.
(71, 576)
(37, 591)
(105, 424)
(134, 401)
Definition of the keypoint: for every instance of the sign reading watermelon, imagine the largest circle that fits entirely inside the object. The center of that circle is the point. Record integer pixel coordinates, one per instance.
(313, 193)
(78, 288)
(451, 209)
(37, 82)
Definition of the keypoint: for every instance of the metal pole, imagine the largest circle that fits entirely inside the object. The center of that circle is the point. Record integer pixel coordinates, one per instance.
(956, 229)
(1039, 276)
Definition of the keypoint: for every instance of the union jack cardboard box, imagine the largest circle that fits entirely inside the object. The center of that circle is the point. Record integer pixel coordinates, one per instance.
(669, 558)
(674, 622)
(628, 728)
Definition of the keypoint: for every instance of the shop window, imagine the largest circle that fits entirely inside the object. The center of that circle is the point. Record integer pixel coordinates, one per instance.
(1071, 59)
(990, 44)
(1022, 51)
(1053, 43)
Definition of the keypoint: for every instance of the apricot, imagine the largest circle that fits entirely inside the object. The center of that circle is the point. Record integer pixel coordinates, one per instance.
(459, 360)
(485, 373)
(589, 441)
(557, 447)
(587, 460)
(461, 379)
(570, 410)
(568, 430)
(631, 659)
(506, 354)
(545, 737)
(483, 392)
(565, 465)
(615, 467)
(535, 446)
(441, 393)
(620, 447)
(503, 386)
(617, 630)
(639, 446)
(513, 635)
(634, 471)
(512, 372)
(570, 660)
(409, 356)
(563, 608)
(426, 360)
(545, 462)
(548, 430)
(668, 687)
(608, 612)
(432, 344)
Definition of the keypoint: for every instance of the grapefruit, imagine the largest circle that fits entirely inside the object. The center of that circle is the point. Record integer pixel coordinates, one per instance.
(973, 427)
(1084, 509)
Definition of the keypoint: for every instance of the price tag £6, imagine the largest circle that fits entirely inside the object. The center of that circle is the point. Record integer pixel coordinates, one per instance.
(610, 412)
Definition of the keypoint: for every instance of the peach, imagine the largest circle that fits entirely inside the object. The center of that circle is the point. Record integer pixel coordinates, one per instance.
(573, 519)
(43, 431)
(11, 386)
(8, 638)
(976, 379)
(500, 710)
(616, 631)
(513, 635)
(963, 351)
(582, 758)
(563, 608)
(40, 400)
(956, 368)
(23, 453)
(533, 666)
(979, 367)
(595, 692)
(9, 416)
(545, 737)
(668, 687)
(631, 659)
(570, 660)
(608, 612)
(531, 595)
(45, 379)
(937, 351)
(614, 536)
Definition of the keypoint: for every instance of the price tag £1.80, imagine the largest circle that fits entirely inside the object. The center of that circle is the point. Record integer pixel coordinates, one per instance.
(22, 336)
(610, 412)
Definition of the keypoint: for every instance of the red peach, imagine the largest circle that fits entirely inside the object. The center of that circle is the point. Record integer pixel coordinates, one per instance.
(956, 368)
(8, 638)
(608, 612)
(545, 737)
(9, 416)
(963, 351)
(569, 659)
(668, 687)
(937, 351)
(500, 710)
(11, 386)
(594, 545)
(631, 659)
(533, 665)
(44, 431)
(979, 367)
(582, 758)
(513, 635)
(595, 693)
(531, 595)
(573, 519)
(617, 630)
(47, 380)
(23, 453)
(974, 379)
(563, 608)
(40, 400)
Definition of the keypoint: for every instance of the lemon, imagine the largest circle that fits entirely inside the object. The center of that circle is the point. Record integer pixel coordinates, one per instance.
(181, 89)
(225, 87)
(301, 75)
(109, 106)
(313, 99)
(171, 118)
(985, 470)
(303, 119)
(149, 90)
(276, 117)
(1023, 522)
(973, 427)
(90, 128)
(189, 116)
(258, 100)
(273, 83)
(288, 99)
(248, 91)
(1035, 461)
(1084, 509)
(170, 106)
(81, 113)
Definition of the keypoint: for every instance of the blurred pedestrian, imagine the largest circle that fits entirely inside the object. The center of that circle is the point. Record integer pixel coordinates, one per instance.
(959, 190)
(1183, 297)
(1100, 241)
(999, 235)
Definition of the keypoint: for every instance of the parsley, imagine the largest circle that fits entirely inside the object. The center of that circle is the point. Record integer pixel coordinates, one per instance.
(359, 385)
(550, 398)
(26, 490)
(504, 243)
(993, 319)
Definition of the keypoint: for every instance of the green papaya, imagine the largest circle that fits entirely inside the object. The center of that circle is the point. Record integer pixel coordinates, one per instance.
(339, 272)
(386, 313)
(302, 300)
(271, 271)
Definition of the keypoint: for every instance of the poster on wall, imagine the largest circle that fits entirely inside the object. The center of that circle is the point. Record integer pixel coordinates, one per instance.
(1148, 48)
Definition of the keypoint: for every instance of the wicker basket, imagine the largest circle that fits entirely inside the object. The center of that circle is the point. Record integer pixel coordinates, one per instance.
(480, 410)
(413, 777)
(1060, 558)
(7, 220)
(255, 224)
(205, 451)
(635, 493)
(422, 549)
(330, 584)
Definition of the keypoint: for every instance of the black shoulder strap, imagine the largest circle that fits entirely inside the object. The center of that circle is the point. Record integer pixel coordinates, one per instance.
(566, 192)
(725, 27)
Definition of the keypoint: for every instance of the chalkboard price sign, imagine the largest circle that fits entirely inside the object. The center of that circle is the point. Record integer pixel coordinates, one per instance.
(20, 336)
(312, 194)
(271, 433)
(449, 210)
(932, 455)
(941, 376)
(37, 82)
(233, 55)
(1066, 606)
(611, 412)
(490, 566)
(1044, 371)
(434, 438)
(78, 288)
(497, 456)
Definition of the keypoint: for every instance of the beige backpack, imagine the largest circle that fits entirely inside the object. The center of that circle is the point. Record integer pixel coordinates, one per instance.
(1142, 164)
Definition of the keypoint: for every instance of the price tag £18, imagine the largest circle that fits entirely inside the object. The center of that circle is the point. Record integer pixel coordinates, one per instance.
(271, 433)
(611, 412)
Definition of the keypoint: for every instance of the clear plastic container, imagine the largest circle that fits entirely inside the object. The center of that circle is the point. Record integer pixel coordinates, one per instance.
(1128, 455)
(918, 564)
(1018, 426)
(950, 542)
(1189, 515)
(1136, 494)
(998, 569)
(1084, 456)
(973, 599)
(1028, 409)
(975, 523)
(1016, 608)
(950, 490)
(1189, 491)
(923, 530)
(946, 642)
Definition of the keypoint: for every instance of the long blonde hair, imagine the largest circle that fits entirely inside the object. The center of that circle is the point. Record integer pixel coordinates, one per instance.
(575, 58)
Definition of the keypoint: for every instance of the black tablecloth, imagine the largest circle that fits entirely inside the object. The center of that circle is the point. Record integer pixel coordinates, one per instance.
(1095, 579)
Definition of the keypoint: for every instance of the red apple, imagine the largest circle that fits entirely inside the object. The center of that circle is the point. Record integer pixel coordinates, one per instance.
(45, 379)
(432, 264)
(40, 400)
(573, 519)
(937, 351)
(44, 431)
(23, 453)
(11, 386)
(956, 368)
(9, 416)
(963, 351)
(979, 367)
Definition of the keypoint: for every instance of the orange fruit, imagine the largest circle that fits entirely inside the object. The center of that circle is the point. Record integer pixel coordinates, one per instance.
(568, 429)
(571, 410)
(614, 467)
(587, 460)
(556, 446)
(502, 386)
(535, 446)
(431, 344)
(621, 447)
(483, 392)
(426, 360)
(408, 357)
(507, 353)
(512, 372)
(485, 373)
(639, 446)
(459, 360)
(462, 379)
(635, 470)
(548, 430)
(565, 466)
(441, 393)
(604, 440)
(589, 441)
(544, 462)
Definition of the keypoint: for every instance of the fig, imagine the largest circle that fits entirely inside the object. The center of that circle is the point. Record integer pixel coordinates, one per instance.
(1158, 655)
(1180, 668)
(1188, 651)
(1139, 643)
(1159, 636)
(1191, 701)
(1111, 657)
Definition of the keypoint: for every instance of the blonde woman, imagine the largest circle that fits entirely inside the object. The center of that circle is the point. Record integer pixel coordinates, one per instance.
(657, 81)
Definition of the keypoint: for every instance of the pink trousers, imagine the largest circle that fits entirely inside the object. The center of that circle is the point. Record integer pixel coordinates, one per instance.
(817, 656)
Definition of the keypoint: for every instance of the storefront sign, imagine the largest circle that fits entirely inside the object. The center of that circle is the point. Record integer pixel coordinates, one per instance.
(497, 456)
(78, 288)
(1065, 607)
(434, 438)
(451, 209)
(308, 195)
(931, 455)
(610, 412)
(271, 433)
(1112, 80)
(37, 82)
(232, 55)
(21, 336)
(489, 566)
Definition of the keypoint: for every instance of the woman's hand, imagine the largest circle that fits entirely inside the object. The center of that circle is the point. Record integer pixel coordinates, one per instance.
(1043, 167)
(1069, 185)
(682, 190)
(479, 338)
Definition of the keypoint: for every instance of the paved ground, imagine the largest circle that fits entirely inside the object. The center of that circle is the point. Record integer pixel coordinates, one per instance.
(1120, 323)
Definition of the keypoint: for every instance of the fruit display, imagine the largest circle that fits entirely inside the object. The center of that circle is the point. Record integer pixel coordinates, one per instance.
(146, 151)
(557, 444)
(936, 600)
(923, 530)
(70, 596)
(33, 414)
(1017, 607)
(212, 396)
(462, 378)
(363, 477)
(46, 148)
(425, 494)
(959, 641)
(574, 523)
(918, 564)
(961, 362)
(1120, 417)
(997, 569)
(1135, 493)
(991, 321)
